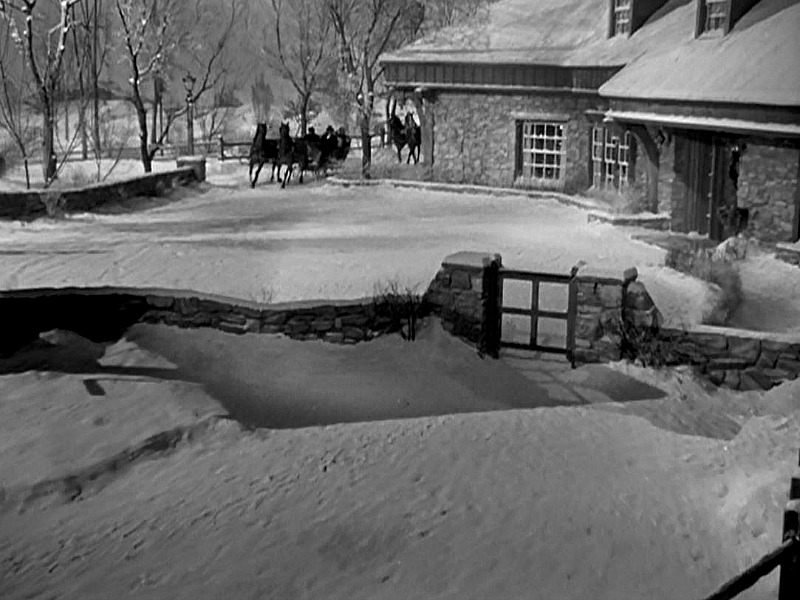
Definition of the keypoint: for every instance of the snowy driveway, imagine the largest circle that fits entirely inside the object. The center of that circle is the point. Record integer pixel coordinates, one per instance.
(320, 241)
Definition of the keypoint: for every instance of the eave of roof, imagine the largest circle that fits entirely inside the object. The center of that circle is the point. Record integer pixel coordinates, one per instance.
(741, 126)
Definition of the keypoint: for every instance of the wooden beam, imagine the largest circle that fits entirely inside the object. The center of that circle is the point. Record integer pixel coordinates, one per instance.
(653, 158)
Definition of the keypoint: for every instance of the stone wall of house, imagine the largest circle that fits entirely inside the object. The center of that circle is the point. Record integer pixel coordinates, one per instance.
(464, 295)
(103, 314)
(33, 204)
(475, 136)
(767, 186)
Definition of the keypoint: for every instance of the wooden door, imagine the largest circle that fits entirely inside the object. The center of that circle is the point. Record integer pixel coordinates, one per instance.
(720, 161)
(698, 179)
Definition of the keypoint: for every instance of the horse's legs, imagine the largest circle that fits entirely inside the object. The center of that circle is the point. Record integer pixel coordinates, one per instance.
(399, 156)
(255, 179)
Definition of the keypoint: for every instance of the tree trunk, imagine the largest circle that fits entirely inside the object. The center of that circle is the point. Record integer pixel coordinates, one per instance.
(48, 151)
(304, 116)
(95, 82)
(156, 102)
(141, 117)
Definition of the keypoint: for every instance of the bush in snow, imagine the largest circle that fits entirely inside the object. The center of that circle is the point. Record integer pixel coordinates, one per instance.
(401, 307)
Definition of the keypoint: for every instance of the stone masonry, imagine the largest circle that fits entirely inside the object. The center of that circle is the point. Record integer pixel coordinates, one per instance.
(768, 187)
(476, 136)
(464, 295)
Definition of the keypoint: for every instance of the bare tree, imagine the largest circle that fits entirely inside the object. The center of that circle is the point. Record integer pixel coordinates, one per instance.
(151, 31)
(365, 30)
(303, 49)
(443, 13)
(44, 52)
(261, 98)
(15, 114)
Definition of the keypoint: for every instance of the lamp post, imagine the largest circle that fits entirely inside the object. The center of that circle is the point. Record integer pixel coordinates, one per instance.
(188, 83)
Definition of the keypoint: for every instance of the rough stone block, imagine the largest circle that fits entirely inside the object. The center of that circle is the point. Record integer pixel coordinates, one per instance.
(732, 379)
(335, 337)
(588, 327)
(322, 325)
(745, 348)
(275, 318)
(709, 341)
(187, 306)
(160, 301)
(273, 328)
(354, 333)
(233, 318)
(460, 280)
(477, 283)
(753, 379)
(354, 320)
(637, 297)
(232, 327)
(610, 295)
(767, 359)
(716, 377)
(791, 366)
(727, 364)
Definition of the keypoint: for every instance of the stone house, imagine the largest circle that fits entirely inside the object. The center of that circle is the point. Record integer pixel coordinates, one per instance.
(691, 105)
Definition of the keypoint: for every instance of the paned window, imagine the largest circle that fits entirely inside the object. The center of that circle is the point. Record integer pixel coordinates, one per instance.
(611, 158)
(716, 15)
(622, 17)
(542, 150)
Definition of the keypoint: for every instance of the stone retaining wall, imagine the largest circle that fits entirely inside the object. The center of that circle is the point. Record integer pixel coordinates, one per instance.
(32, 204)
(735, 358)
(789, 254)
(103, 314)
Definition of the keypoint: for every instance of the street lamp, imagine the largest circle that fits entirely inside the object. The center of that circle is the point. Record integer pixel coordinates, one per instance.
(188, 83)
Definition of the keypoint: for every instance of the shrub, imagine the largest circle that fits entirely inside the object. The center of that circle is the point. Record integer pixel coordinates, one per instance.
(700, 262)
(401, 307)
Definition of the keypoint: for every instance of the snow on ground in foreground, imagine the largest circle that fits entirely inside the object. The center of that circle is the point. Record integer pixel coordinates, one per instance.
(560, 502)
(323, 241)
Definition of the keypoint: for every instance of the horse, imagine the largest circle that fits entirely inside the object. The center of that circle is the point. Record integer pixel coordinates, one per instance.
(405, 134)
(293, 152)
(262, 150)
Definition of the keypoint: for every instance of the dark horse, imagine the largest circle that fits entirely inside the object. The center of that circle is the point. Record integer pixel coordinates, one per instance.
(408, 134)
(263, 151)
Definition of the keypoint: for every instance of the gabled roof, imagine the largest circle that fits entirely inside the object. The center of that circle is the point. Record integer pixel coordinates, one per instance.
(757, 62)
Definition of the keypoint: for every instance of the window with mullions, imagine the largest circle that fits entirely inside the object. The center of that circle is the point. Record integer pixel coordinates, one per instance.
(611, 157)
(716, 15)
(622, 17)
(542, 150)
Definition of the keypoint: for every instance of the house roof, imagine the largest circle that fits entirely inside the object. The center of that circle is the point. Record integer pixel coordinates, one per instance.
(757, 62)
(511, 31)
(551, 32)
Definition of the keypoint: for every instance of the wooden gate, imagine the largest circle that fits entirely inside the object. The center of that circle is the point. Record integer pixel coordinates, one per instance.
(533, 312)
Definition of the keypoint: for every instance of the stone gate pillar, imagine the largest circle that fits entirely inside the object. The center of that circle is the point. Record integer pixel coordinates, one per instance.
(465, 295)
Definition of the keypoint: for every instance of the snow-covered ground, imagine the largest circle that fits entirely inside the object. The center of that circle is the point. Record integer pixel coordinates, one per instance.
(323, 241)
(554, 484)
(660, 498)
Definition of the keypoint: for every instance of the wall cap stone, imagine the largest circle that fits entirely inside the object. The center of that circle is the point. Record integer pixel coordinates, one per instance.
(476, 260)
(737, 333)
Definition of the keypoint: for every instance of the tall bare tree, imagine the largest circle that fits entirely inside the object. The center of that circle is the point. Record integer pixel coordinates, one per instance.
(365, 30)
(302, 53)
(153, 31)
(15, 114)
(41, 36)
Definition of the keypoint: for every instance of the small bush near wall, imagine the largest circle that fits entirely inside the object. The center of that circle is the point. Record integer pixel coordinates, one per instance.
(402, 307)
(698, 261)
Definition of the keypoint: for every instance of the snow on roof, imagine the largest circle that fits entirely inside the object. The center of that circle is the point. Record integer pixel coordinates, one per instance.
(757, 62)
(540, 32)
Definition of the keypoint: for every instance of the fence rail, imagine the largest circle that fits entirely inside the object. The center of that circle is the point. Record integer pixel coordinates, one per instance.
(786, 556)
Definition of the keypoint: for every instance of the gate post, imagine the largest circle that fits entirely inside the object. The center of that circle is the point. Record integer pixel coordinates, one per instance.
(492, 326)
